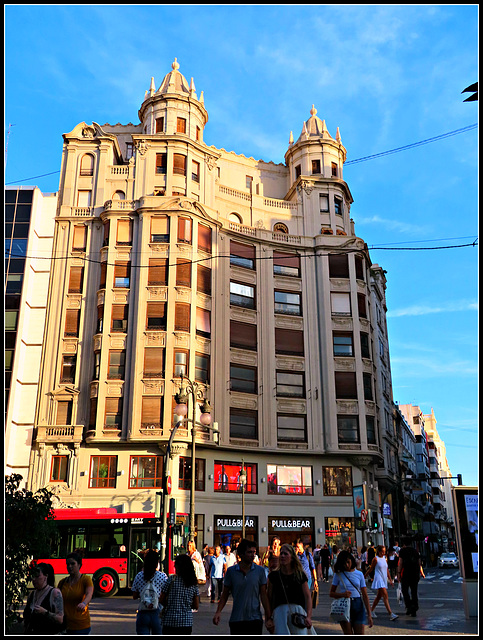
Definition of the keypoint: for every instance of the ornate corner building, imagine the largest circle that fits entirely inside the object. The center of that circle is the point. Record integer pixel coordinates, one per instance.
(245, 276)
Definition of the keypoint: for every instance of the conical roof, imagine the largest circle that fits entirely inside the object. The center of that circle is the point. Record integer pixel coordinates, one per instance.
(174, 81)
(314, 126)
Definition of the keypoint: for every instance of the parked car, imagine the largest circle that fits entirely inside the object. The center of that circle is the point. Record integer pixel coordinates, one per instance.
(448, 560)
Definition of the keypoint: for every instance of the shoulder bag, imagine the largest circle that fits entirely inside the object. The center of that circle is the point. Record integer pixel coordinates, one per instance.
(297, 619)
(340, 608)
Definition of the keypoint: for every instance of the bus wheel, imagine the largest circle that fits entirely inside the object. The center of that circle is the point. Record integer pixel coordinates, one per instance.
(105, 583)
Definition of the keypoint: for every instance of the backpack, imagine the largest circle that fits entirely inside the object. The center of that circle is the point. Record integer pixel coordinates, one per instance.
(149, 597)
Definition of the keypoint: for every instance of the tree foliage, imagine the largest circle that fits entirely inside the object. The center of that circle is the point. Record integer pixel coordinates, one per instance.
(29, 526)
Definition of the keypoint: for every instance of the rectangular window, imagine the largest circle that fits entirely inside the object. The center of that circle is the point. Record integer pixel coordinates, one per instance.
(64, 412)
(113, 417)
(315, 166)
(338, 206)
(153, 362)
(103, 472)
(340, 304)
(203, 281)
(152, 412)
(58, 470)
(102, 279)
(202, 368)
(72, 317)
(195, 171)
(242, 295)
(185, 226)
(119, 318)
(181, 363)
(244, 424)
(122, 272)
(100, 318)
(124, 232)
(288, 303)
(338, 265)
(198, 133)
(283, 479)
(179, 164)
(367, 378)
(184, 474)
(345, 385)
(243, 335)
(183, 273)
(242, 255)
(343, 343)
(290, 385)
(291, 428)
(156, 316)
(160, 229)
(298, 171)
(117, 361)
(203, 322)
(84, 198)
(159, 125)
(337, 481)
(227, 477)
(371, 430)
(324, 203)
(76, 279)
(161, 163)
(359, 262)
(285, 264)
(145, 472)
(129, 150)
(334, 169)
(182, 316)
(158, 272)
(365, 348)
(79, 241)
(348, 429)
(68, 369)
(180, 125)
(204, 238)
(361, 304)
(243, 379)
(97, 365)
(289, 342)
(248, 183)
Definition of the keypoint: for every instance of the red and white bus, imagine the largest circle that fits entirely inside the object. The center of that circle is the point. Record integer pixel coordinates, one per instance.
(111, 544)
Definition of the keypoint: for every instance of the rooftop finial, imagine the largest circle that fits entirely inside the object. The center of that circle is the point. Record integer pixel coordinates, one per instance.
(175, 65)
(313, 111)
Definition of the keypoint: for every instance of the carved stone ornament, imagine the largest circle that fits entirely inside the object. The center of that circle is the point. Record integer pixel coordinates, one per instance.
(362, 461)
(186, 204)
(142, 146)
(210, 162)
(259, 224)
(307, 186)
(88, 132)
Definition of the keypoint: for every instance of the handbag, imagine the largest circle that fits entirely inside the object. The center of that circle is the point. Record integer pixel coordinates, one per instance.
(315, 598)
(297, 619)
(340, 609)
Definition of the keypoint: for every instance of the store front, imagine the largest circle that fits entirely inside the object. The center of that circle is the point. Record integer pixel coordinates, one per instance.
(228, 527)
(289, 529)
(341, 532)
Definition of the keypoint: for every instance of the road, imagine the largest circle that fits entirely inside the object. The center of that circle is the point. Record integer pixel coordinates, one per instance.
(441, 612)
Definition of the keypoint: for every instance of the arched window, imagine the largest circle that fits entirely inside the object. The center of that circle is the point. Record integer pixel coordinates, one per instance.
(279, 227)
(234, 217)
(119, 195)
(87, 165)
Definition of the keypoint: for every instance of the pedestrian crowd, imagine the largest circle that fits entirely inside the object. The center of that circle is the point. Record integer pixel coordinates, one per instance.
(283, 582)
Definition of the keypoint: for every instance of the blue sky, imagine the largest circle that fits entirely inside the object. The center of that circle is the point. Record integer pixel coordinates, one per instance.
(387, 76)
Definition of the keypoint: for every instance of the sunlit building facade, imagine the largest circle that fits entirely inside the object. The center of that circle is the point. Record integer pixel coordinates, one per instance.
(246, 277)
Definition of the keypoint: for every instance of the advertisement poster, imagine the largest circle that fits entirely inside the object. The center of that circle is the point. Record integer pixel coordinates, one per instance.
(471, 504)
(359, 502)
(466, 512)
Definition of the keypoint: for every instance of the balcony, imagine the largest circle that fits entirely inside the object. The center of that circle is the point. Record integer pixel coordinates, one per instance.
(60, 433)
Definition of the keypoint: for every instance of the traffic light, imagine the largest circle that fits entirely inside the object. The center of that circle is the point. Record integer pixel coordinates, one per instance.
(172, 511)
(375, 521)
(460, 479)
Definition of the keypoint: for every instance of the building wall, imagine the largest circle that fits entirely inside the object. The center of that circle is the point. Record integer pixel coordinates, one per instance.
(296, 323)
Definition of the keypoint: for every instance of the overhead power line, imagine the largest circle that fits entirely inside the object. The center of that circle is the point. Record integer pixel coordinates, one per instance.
(357, 160)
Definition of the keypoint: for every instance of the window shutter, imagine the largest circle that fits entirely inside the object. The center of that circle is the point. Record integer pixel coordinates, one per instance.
(361, 303)
(80, 237)
(87, 165)
(124, 232)
(204, 238)
(113, 406)
(243, 335)
(338, 266)
(152, 410)
(203, 321)
(72, 322)
(120, 311)
(204, 280)
(179, 164)
(345, 385)
(156, 315)
(160, 226)
(76, 279)
(64, 412)
(122, 270)
(159, 125)
(289, 342)
(359, 268)
(340, 303)
(181, 125)
(242, 250)
(153, 361)
(102, 282)
(158, 271)
(286, 261)
(183, 273)
(161, 162)
(93, 414)
(184, 230)
(182, 316)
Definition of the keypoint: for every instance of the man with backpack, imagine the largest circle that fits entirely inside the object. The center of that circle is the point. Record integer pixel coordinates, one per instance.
(409, 570)
(147, 587)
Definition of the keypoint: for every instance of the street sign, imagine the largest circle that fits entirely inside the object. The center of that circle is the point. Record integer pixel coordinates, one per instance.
(363, 515)
(168, 485)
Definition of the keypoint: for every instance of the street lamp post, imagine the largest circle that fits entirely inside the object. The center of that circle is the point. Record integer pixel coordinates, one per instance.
(243, 481)
(189, 388)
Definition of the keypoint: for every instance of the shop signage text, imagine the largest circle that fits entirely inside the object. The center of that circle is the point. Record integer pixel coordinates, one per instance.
(233, 523)
(290, 524)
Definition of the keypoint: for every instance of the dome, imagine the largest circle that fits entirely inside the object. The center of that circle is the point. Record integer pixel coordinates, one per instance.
(314, 127)
(174, 81)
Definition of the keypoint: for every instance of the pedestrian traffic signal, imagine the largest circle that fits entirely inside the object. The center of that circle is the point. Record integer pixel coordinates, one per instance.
(172, 511)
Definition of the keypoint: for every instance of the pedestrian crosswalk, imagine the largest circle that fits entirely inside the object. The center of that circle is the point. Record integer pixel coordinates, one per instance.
(454, 576)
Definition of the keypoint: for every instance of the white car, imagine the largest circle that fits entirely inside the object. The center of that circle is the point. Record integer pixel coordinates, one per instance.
(448, 560)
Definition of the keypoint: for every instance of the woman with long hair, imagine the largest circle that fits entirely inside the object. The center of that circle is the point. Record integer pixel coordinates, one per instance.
(271, 556)
(354, 587)
(44, 612)
(381, 578)
(289, 594)
(77, 591)
(147, 587)
(180, 596)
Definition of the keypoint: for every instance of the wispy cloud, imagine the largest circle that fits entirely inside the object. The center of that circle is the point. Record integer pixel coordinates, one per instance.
(425, 309)
(393, 225)
(415, 366)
